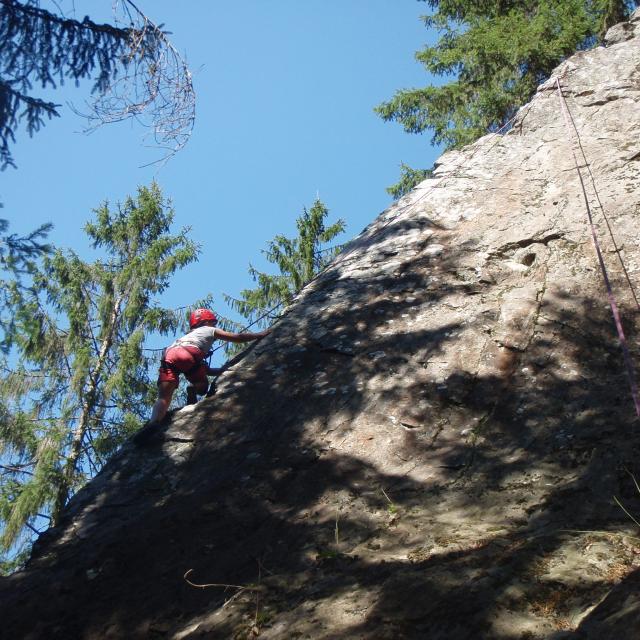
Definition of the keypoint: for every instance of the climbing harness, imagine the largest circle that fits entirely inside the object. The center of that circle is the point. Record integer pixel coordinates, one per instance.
(568, 121)
(171, 367)
(195, 317)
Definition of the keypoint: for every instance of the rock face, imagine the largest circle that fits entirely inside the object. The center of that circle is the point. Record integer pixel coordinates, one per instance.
(429, 443)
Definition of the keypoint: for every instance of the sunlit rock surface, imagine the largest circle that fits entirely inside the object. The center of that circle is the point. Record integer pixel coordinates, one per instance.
(429, 443)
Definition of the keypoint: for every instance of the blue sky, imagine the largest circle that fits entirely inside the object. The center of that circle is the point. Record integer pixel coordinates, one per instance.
(285, 97)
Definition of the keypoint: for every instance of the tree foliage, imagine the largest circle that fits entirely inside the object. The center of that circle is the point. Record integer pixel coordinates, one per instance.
(409, 178)
(80, 383)
(135, 72)
(18, 252)
(492, 55)
(298, 260)
(18, 259)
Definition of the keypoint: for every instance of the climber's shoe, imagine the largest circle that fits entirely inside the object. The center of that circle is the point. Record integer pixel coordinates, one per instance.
(192, 396)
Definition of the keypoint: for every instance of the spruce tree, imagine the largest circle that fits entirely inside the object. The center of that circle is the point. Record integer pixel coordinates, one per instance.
(80, 381)
(492, 55)
(298, 260)
(135, 71)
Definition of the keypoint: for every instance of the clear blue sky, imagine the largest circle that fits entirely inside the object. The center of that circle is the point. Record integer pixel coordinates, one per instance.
(285, 97)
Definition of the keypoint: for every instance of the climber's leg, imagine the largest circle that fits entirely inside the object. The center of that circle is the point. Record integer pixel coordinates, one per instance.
(165, 394)
(199, 384)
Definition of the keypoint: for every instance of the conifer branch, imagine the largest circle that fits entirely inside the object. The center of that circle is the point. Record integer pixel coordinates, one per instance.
(493, 56)
(18, 468)
(136, 72)
(298, 260)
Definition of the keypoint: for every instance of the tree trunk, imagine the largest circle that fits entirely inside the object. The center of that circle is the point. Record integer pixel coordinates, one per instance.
(70, 465)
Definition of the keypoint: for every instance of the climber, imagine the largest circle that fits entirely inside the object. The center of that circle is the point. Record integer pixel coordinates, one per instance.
(186, 355)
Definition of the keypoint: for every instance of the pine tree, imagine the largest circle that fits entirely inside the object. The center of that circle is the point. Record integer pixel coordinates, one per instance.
(80, 384)
(298, 261)
(136, 72)
(492, 56)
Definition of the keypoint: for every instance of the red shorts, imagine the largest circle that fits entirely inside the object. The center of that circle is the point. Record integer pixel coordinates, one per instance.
(186, 360)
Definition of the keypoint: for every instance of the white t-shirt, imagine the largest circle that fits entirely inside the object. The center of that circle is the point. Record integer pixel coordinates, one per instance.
(200, 337)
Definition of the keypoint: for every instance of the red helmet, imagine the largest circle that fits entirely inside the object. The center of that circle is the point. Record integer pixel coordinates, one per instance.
(199, 316)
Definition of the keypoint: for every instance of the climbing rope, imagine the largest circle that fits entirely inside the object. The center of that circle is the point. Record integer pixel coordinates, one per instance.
(586, 165)
(264, 315)
(568, 120)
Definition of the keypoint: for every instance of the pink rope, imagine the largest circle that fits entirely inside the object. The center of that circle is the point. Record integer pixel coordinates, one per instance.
(612, 301)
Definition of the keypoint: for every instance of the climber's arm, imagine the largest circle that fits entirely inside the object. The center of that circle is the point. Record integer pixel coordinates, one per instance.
(239, 337)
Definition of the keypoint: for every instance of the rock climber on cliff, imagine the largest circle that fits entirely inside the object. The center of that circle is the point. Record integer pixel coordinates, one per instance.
(186, 355)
